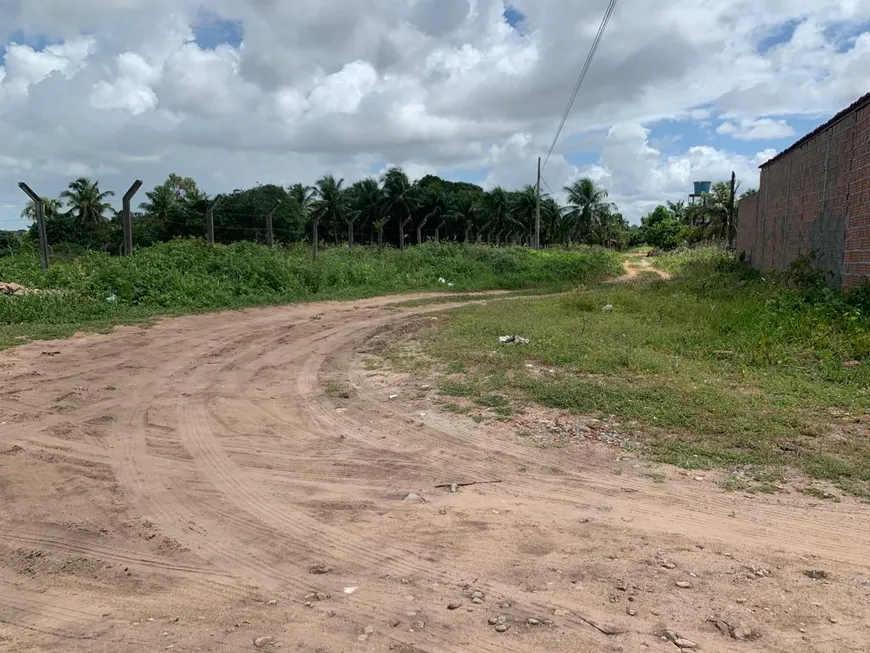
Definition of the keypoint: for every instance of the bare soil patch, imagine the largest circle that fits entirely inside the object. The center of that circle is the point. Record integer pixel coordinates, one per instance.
(237, 481)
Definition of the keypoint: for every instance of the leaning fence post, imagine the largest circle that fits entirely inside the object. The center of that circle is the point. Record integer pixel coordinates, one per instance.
(209, 221)
(39, 205)
(127, 216)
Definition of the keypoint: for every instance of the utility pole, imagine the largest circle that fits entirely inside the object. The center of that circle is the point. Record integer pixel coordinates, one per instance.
(39, 205)
(127, 216)
(209, 220)
(538, 208)
(731, 228)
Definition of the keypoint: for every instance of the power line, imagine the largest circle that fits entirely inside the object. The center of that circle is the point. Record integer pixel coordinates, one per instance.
(606, 19)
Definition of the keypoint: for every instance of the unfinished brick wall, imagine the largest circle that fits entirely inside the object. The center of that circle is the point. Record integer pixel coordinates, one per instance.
(815, 198)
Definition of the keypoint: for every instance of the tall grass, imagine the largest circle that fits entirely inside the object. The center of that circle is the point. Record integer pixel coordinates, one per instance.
(189, 276)
(720, 365)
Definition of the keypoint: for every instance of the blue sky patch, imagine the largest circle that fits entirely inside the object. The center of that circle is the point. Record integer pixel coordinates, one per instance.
(777, 36)
(211, 31)
(35, 41)
(514, 17)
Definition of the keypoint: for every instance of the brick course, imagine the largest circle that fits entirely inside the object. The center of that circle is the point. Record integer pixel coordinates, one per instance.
(814, 198)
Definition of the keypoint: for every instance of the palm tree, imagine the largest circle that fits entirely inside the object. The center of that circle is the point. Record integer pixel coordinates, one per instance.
(465, 210)
(497, 205)
(433, 204)
(525, 205)
(722, 219)
(86, 203)
(330, 200)
(302, 196)
(678, 208)
(366, 201)
(51, 208)
(162, 202)
(399, 199)
(584, 198)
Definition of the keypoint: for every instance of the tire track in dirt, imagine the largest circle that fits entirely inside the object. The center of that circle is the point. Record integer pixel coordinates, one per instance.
(251, 455)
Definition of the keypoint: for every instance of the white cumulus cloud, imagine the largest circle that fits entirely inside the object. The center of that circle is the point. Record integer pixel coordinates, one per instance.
(687, 89)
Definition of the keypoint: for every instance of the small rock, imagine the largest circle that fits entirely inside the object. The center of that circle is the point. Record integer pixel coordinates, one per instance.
(362, 638)
(832, 620)
(319, 568)
(622, 587)
(409, 597)
(631, 612)
(174, 620)
(669, 565)
(477, 599)
(501, 628)
(533, 622)
(558, 612)
(454, 606)
(505, 605)
(395, 623)
(418, 625)
(683, 584)
(493, 621)
(414, 498)
(262, 642)
(741, 632)
(272, 602)
(670, 635)
(477, 594)
(741, 601)
(685, 643)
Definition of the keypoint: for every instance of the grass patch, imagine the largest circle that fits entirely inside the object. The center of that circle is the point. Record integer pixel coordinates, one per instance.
(719, 366)
(96, 291)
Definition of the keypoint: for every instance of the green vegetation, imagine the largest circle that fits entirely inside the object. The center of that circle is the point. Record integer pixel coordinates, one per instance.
(717, 367)
(391, 210)
(96, 289)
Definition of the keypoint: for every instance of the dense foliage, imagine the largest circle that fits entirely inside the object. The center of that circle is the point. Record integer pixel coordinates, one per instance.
(188, 275)
(391, 210)
(710, 218)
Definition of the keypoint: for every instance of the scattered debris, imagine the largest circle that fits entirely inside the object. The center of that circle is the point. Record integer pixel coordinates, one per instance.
(393, 397)
(739, 631)
(607, 308)
(466, 483)
(414, 498)
(10, 288)
(851, 363)
(685, 643)
(816, 574)
(112, 299)
(513, 340)
(350, 590)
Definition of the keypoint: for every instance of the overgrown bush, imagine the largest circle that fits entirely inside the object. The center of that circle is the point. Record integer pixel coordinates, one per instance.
(188, 275)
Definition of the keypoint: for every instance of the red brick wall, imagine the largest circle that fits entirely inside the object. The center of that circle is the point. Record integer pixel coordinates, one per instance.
(815, 198)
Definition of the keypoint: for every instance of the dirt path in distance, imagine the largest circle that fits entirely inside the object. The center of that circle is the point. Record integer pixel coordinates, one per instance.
(240, 481)
(634, 264)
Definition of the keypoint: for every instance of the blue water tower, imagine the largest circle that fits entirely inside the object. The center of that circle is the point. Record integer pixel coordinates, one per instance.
(702, 187)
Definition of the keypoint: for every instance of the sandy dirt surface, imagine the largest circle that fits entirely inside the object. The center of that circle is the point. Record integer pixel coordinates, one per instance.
(238, 482)
(636, 263)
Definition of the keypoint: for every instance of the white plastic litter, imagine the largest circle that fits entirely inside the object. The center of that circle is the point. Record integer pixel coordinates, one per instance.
(513, 340)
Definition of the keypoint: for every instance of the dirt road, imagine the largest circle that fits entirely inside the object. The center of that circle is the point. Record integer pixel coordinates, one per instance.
(238, 482)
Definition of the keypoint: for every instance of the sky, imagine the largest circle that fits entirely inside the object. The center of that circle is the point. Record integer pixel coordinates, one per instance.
(240, 92)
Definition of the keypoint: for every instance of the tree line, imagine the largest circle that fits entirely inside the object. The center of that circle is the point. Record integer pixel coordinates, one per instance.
(390, 210)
